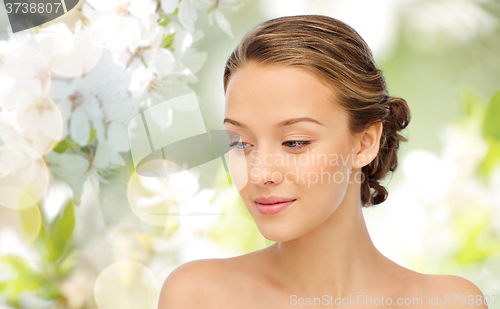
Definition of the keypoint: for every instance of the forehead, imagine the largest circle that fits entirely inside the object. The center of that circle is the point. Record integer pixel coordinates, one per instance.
(272, 93)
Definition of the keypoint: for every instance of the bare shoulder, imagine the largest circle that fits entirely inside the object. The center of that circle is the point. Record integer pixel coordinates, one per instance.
(210, 283)
(193, 285)
(454, 291)
(438, 291)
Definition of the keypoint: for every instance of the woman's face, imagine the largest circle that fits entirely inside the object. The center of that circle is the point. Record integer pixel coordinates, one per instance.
(307, 161)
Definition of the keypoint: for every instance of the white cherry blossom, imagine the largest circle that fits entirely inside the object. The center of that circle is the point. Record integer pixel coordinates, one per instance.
(104, 103)
(70, 54)
(120, 26)
(221, 20)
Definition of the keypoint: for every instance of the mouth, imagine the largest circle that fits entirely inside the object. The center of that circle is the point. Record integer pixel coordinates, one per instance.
(274, 208)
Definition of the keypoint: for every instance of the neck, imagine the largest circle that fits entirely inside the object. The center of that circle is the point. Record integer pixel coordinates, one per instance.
(337, 258)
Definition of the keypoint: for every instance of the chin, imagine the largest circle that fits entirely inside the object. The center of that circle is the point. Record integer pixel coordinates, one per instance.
(274, 231)
(277, 237)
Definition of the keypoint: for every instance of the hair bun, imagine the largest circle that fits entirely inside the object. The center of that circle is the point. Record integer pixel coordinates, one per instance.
(400, 112)
(387, 159)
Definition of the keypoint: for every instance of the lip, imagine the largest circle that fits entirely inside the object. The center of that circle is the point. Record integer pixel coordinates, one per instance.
(272, 205)
(272, 199)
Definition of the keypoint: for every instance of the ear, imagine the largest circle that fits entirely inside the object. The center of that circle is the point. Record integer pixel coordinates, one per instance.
(367, 145)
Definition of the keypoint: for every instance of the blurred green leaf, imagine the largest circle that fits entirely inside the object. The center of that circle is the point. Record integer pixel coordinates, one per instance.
(60, 232)
(67, 265)
(61, 146)
(491, 124)
(474, 229)
(229, 179)
(491, 132)
(50, 290)
(474, 106)
(13, 299)
(27, 278)
(92, 134)
(30, 221)
(86, 149)
(167, 40)
(492, 157)
(40, 243)
(164, 21)
(71, 142)
(471, 254)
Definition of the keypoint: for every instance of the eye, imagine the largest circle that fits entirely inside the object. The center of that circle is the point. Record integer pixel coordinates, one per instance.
(237, 143)
(292, 144)
(299, 143)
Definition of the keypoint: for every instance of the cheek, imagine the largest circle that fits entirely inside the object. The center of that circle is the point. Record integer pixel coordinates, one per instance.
(325, 177)
(321, 167)
(238, 168)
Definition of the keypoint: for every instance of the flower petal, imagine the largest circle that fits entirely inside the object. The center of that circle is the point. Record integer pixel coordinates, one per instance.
(169, 6)
(187, 15)
(142, 8)
(79, 127)
(223, 23)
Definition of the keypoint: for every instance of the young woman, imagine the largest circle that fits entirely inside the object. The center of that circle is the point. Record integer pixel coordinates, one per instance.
(318, 132)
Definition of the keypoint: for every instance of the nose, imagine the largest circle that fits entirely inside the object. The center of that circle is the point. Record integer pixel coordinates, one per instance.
(263, 170)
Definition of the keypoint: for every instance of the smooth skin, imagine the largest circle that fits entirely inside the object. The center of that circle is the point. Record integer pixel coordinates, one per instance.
(322, 243)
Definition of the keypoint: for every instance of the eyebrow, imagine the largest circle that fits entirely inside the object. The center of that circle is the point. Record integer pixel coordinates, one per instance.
(284, 123)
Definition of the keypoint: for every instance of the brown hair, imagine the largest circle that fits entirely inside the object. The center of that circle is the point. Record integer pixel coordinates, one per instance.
(337, 54)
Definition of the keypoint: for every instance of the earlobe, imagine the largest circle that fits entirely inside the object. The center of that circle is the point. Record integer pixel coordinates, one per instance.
(368, 145)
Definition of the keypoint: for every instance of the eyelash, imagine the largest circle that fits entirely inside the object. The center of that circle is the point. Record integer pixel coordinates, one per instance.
(303, 144)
